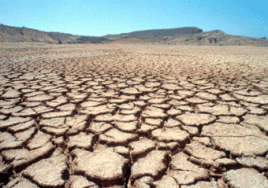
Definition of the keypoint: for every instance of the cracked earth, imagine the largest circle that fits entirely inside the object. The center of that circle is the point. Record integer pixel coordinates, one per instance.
(133, 116)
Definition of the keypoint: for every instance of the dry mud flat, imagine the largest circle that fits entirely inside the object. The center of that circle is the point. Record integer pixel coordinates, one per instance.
(133, 116)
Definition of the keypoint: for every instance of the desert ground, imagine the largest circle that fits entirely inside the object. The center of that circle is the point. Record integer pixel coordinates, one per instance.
(133, 115)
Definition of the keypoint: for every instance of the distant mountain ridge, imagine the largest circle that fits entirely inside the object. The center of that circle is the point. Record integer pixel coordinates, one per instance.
(184, 35)
(22, 34)
(156, 33)
(188, 35)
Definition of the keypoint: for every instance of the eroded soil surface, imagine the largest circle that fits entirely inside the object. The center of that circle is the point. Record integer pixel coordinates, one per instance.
(133, 116)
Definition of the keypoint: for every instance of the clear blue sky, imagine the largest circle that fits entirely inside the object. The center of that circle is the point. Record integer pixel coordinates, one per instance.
(101, 17)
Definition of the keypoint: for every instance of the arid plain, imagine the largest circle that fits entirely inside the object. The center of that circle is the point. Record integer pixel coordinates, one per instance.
(133, 115)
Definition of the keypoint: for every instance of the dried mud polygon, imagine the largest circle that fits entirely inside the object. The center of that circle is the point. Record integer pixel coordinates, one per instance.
(133, 116)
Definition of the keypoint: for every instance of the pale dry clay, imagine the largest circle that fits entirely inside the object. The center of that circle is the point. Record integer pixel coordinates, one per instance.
(133, 116)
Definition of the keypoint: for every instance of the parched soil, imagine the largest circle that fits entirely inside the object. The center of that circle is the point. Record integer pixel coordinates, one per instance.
(133, 115)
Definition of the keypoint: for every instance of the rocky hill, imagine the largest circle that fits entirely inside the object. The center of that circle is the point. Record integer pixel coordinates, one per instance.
(184, 35)
(22, 34)
(188, 35)
(217, 37)
(157, 34)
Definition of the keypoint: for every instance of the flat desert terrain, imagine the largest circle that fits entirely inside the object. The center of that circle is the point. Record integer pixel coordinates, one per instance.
(133, 115)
